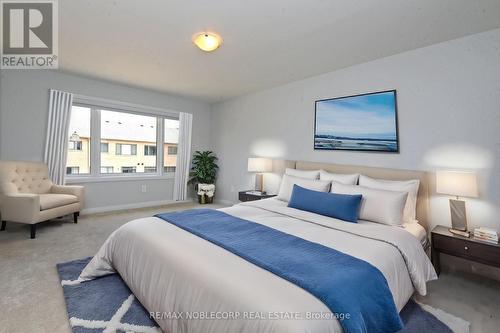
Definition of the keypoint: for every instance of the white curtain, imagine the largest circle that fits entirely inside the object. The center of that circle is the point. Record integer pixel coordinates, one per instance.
(56, 143)
(183, 156)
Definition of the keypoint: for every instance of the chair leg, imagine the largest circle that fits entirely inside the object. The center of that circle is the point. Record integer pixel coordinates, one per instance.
(33, 231)
(75, 217)
(4, 223)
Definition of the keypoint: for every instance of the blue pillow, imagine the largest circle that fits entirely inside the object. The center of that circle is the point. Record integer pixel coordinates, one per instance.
(340, 206)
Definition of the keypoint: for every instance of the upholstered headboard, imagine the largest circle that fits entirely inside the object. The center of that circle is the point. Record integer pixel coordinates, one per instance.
(383, 173)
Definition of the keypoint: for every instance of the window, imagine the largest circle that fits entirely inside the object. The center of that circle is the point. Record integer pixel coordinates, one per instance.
(126, 149)
(111, 141)
(75, 145)
(168, 169)
(72, 170)
(129, 169)
(170, 141)
(149, 150)
(130, 134)
(107, 169)
(78, 159)
(104, 147)
(172, 150)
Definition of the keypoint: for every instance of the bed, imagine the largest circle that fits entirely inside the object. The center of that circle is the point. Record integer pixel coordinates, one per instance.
(176, 274)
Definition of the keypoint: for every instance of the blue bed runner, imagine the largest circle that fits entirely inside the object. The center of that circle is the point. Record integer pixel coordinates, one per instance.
(348, 286)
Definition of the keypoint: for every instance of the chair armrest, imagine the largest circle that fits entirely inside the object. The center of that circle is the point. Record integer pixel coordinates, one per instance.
(65, 189)
(20, 207)
(75, 190)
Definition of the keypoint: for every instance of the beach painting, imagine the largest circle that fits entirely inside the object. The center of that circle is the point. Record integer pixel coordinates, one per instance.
(366, 122)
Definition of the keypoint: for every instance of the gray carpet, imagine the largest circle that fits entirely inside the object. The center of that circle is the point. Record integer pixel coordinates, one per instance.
(31, 297)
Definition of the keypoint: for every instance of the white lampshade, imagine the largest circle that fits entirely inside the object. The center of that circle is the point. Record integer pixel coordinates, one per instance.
(259, 164)
(461, 184)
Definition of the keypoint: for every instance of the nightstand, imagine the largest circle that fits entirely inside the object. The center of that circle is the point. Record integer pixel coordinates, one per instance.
(252, 196)
(473, 249)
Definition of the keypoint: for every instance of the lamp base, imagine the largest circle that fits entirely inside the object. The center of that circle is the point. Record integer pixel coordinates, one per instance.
(458, 215)
(259, 182)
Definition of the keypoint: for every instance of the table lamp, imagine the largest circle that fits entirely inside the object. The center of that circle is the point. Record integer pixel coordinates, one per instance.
(259, 165)
(459, 184)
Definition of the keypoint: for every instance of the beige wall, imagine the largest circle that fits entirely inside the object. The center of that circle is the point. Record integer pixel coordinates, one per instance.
(81, 158)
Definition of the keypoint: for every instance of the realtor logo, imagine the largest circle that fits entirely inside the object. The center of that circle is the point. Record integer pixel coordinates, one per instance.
(29, 34)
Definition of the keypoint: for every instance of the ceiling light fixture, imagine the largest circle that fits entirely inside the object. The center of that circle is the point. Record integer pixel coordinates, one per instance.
(207, 41)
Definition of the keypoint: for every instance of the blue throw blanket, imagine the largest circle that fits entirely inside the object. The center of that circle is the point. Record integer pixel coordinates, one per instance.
(346, 285)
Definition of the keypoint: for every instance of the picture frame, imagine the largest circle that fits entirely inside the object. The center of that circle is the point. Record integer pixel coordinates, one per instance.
(365, 122)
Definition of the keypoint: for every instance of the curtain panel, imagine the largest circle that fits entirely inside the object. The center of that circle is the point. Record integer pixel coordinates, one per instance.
(183, 156)
(56, 143)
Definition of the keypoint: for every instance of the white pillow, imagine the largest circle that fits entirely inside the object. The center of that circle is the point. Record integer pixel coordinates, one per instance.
(410, 186)
(347, 179)
(287, 183)
(376, 205)
(306, 174)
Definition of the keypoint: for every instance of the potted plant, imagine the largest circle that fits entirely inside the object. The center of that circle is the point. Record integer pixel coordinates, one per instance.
(203, 174)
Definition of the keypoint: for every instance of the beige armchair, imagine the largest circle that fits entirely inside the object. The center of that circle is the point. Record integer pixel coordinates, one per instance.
(27, 195)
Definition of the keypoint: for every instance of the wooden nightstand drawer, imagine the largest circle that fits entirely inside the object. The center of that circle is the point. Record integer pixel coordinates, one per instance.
(467, 248)
(456, 246)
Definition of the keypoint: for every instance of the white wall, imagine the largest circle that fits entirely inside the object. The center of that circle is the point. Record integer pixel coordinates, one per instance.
(24, 96)
(449, 117)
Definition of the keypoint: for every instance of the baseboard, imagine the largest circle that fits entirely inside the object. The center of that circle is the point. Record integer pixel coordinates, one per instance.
(134, 205)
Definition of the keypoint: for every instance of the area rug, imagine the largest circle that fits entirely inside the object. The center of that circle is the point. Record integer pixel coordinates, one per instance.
(107, 305)
(103, 305)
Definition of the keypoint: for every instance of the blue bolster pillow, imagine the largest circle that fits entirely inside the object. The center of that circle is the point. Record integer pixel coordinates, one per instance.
(340, 206)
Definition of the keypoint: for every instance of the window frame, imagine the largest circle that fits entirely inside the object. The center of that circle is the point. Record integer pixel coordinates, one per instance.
(169, 166)
(133, 169)
(176, 150)
(107, 147)
(72, 167)
(119, 147)
(147, 149)
(106, 167)
(77, 146)
(98, 104)
(149, 167)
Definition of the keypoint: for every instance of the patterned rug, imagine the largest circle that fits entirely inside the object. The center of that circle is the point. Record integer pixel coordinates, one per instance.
(104, 305)
(107, 305)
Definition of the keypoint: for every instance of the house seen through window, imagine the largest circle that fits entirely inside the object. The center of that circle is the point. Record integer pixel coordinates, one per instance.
(78, 160)
(106, 169)
(149, 150)
(72, 170)
(168, 169)
(104, 147)
(172, 150)
(75, 145)
(129, 169)
(170, 140)
(128, 142)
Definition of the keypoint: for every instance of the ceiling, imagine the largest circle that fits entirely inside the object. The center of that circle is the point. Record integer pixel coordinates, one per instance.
(266, 42)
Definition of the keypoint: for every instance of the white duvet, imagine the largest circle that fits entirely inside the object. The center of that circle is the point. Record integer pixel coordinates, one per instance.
(178, 274)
